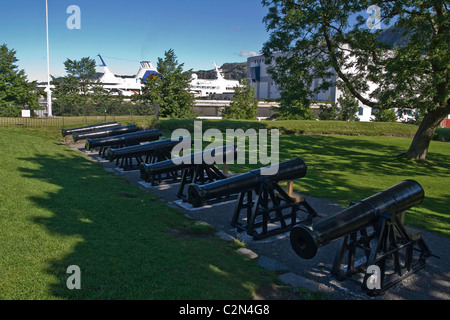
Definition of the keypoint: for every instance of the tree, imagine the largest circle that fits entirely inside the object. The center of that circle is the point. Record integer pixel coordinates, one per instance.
(79, 92)
(384, 115)
(293, 110)
(243, 105)
(318, 39)
(170, 88)
(349, 106)
(294, 86)
(329, 112)
(16, 92)
(294, 102)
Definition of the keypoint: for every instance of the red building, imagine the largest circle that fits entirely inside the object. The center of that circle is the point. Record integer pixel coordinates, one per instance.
(446, 122)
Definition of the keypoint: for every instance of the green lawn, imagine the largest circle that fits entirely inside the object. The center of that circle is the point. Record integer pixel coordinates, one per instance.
(303, 127)
(348, 169)
(59, 209)
(349, 161)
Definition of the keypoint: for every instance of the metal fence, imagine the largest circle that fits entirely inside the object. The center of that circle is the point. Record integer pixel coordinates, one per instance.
(67, 122)
(31, 122)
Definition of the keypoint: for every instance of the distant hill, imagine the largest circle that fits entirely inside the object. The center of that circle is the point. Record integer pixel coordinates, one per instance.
(231, 71)
(238, 71)
(394, 37)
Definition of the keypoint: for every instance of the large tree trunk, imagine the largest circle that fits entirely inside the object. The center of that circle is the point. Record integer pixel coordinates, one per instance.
(418, 149)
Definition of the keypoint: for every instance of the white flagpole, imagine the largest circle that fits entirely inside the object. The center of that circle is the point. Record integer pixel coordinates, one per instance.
(49, 92)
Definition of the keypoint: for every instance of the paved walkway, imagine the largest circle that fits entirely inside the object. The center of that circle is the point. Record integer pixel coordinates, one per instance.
(276, 253)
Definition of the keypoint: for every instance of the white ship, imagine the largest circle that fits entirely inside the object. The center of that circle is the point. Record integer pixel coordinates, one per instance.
(126, 85)
(130, 85)
(219, 86)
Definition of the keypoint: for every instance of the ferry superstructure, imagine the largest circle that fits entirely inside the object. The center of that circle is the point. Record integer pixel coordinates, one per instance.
(130, 85)
(219, 86)
(126, 85)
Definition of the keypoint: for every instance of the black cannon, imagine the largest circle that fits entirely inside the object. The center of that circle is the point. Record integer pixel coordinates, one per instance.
(100, 126)
(102, 133)
(382, 237)
(147, 153)
(269, 204)
(199, 168)
(123, 140)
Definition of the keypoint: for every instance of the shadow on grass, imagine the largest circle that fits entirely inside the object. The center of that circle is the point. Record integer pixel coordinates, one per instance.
(117, 235)
(349, 169)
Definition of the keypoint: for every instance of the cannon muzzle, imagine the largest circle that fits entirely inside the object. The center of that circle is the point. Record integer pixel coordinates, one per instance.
(306, 241)
(102, 133)
(66, 132)
(288, 170)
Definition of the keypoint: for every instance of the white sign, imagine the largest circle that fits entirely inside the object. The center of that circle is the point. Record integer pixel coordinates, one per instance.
(26, 114)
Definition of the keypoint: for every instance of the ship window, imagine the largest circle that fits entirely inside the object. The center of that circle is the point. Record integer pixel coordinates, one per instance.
(255, 73)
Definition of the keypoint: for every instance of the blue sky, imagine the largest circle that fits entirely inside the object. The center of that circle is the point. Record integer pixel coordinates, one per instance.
(126, 32)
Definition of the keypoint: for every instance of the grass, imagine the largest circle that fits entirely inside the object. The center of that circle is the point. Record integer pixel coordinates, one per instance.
(354, 160)
(348, 169)
(293, 127)
(60, 209)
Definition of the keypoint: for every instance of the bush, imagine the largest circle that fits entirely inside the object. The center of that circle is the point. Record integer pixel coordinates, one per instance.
(243, 105)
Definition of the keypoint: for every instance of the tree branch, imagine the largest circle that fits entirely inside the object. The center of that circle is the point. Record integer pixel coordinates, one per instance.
(341, 74)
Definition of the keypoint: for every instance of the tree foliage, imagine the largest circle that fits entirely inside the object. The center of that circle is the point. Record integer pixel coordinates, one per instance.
(329, 112)
(293, 110)
(73, 93)
(384, 115)
(348, 106)
(80, 93)
(170, 89)
(243, 105)
(295, 98)
(16, 92)
(317, 39)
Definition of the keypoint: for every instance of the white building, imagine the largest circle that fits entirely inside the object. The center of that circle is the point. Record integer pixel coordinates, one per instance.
(259, 77)
(265, 88)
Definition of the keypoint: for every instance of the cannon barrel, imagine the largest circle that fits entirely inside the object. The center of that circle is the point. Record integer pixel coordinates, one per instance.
(99, 126)
(123, 139)
(307, 240)
(143, 149)
(288, 170)
(102, 133)
(188, 161)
